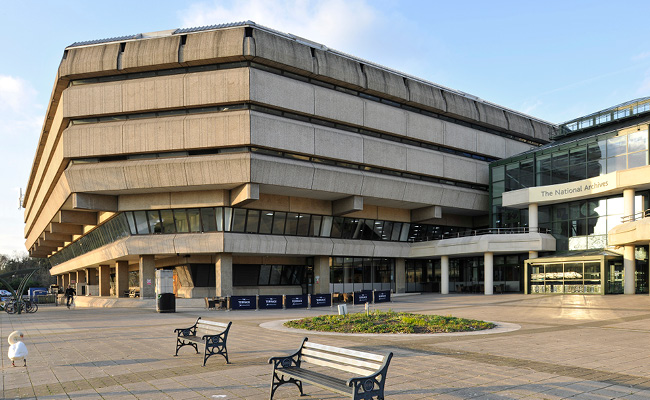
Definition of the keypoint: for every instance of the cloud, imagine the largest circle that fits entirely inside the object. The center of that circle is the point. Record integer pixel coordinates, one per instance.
(335, 23)
(19, 112)
(641, 56)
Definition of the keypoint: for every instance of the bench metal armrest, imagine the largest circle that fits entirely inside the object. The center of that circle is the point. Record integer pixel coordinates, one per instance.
(191, 331)
(370, 382)
(292, 360)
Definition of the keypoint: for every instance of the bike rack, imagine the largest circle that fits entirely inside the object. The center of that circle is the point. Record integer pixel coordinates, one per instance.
(18, 293)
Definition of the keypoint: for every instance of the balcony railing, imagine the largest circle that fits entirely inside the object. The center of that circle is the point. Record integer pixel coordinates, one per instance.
(634, 217)
(496, 231)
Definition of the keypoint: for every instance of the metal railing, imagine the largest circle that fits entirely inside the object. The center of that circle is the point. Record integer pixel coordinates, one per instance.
(634, 217)
(496, 231)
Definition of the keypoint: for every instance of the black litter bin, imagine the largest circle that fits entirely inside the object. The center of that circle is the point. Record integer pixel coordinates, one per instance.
(166, 303)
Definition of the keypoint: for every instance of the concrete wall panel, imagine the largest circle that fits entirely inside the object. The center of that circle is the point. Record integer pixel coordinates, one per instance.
(358, 248)
(338, 106)
(385, 83)
(282, 51)
(458, 198)
(461, 106)
(162, 52)
(460, 137)
(193, 243)
(84, 60)
(460, 168)
(212, 45)
(308, 246)
(223, 169)
(385, 118)
(514, 147)
(159, 134)
(281, 172)
(312, 206)
(254, 244)
(421, 161)
(97, 99)
(384, 153)
(95, 177)
(275, 90)
(520, 124)
(145, 174)
(421, 94)
(338, 144)
(423, 192)
(337, 180)
(491, 115)
(217, 130)
(425, 128)
(153, 93)
(215, 87)
(542, 131)
(90, 140)
(383, 187)
(281, 133)
(482, 173)
(491, 145)
(333, 68)
(391, 249)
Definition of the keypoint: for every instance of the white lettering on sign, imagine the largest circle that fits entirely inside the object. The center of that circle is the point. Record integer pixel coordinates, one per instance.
(570, 190)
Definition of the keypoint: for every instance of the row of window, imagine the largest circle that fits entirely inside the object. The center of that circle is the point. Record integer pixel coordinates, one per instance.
(267, 222)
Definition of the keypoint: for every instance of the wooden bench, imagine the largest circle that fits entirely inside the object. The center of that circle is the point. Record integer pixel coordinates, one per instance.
(368, 369)
(212, 335)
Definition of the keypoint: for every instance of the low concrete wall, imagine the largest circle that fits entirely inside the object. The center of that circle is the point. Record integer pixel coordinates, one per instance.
(99, 302)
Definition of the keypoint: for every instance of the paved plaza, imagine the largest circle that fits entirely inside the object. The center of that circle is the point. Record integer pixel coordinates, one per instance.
(572, 346)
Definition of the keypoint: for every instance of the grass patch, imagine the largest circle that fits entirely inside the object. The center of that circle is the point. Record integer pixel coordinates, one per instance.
(389, 322)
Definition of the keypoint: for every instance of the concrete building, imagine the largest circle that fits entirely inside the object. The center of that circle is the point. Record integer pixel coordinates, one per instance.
(251, 161)
(590, 188)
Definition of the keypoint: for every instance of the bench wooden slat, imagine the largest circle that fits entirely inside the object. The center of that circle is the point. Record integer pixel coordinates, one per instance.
(211, 323)
(342, 367)
(354, 362)
(319, 379)
(339, 350)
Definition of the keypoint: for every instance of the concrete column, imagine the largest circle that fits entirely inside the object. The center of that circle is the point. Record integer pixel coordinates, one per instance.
(444, 275)
(66, 280)
(105, 280)
(147, 277)
(121, 278)
(532, 217)
(81, 276)
(488, 265)
(629, 269)
(72, 277)
(223, 274)
(628, 202)
(59, 280)
(92, 276)
(400, 275)
(321, 274)
(533, 254)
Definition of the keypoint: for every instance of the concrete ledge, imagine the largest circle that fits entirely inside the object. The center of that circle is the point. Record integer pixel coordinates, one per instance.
(103, 302)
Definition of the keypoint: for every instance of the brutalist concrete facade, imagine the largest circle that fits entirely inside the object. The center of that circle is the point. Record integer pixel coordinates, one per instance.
(207, 124)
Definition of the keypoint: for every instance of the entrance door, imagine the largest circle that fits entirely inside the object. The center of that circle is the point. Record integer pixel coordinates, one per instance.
(614, 278)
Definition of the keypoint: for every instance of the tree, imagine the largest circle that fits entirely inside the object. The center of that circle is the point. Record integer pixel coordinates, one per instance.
(17, 262)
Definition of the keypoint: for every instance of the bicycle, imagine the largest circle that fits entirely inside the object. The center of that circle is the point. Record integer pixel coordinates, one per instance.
(14, 306)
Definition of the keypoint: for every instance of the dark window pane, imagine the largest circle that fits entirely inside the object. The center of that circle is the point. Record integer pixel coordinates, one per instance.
(155, 224)
(303, 225)
(577, 172)
(227, 219)
(182, 225)
(498, 173)
(578, 155)
(253, 221)
(397, 228)
(276, 275)
(278, 222)
(544, 170)
(292, 224)
(337, 227)
(265, 275)
(238, 220)
(388, 228)
(596, 151)
(596, 168)
(131, 219)
(208, 220)
(245, 274)
(266, 222)
(194, 219)
(168, 221)
(314, 229)
(141, 222)
(527, 173)
(616, 163)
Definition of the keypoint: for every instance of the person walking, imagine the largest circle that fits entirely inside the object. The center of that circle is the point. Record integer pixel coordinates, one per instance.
(69, 296)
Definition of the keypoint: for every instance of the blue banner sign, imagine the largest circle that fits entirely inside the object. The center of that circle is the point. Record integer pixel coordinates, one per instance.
(270, 302)
(382, 296)
(295, 301)
(321, 300)
(364, 296)
(243, 302)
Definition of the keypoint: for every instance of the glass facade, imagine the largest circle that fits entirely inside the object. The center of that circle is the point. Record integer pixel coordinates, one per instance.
(581, 224)
(353, 274)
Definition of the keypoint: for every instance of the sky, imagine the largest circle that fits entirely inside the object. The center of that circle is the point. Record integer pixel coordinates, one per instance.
(554, 60)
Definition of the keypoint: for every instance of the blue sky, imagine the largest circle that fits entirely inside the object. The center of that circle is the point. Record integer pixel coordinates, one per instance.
(555, 60)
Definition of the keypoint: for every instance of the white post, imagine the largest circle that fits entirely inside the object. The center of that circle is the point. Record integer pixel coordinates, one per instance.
(488, 265)
(532, 218)
(629, 270)
(444, 275)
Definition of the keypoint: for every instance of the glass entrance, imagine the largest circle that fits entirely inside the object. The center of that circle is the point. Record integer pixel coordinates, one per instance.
(615, 277)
